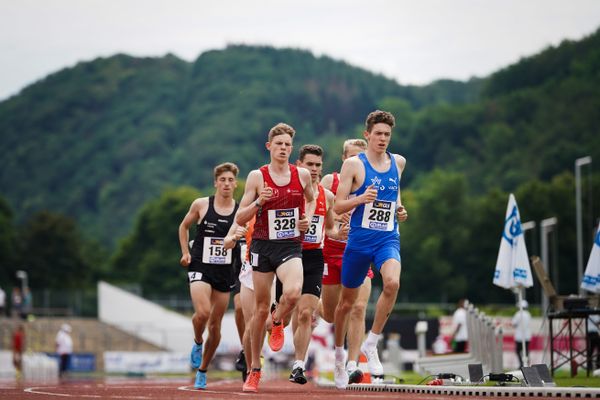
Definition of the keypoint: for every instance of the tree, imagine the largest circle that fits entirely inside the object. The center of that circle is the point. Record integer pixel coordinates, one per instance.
(8, 244)
(150, 254)
(434, 239)
(52, 253)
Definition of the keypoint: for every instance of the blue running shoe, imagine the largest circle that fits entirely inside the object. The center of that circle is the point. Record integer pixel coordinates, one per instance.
(200, 382)
(196, 356)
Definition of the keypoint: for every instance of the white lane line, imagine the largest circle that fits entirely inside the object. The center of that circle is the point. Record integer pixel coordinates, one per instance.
(36, 390)
(191, 389)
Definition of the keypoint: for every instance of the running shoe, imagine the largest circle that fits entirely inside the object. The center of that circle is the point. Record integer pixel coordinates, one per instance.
(196, 355)
(200, 382)
(297, 376)
(340, 376)
(277, 337)
(240, 362)
(375, 367)
(355, 376)
(251, 384)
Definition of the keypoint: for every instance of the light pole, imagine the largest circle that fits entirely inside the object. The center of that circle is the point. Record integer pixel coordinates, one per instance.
(526, 226)
(578, 164)
(23, 276)
(546, 227)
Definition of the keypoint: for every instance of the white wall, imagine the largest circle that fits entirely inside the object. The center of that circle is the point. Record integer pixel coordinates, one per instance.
(142, 318)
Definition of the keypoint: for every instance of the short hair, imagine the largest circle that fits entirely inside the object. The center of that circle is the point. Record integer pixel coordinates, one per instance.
(226, 167)
(377, 117)
(362, 143)
(310, 149)
(281, 129)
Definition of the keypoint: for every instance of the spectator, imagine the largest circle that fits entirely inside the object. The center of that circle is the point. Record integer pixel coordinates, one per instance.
(521, 322)
(27, 303)
(18, 347)
(16, 302)
(593, 340)
(2, 302)
(64, 347)
(459, 320)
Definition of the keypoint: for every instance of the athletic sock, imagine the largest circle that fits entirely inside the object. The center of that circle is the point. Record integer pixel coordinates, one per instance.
(351, 366)
(372, 339)
(298, 364)
(340, 354)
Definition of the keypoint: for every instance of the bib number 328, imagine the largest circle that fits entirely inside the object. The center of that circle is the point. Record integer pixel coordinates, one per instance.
(283, 224)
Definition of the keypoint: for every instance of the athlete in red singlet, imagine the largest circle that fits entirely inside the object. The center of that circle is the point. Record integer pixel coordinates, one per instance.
(311, 158)
(276, 193)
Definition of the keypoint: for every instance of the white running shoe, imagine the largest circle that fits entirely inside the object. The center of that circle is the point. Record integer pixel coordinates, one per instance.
(340, 376)
(375, 367)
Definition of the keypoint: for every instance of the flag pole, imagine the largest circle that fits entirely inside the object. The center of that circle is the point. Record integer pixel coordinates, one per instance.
(522, 327)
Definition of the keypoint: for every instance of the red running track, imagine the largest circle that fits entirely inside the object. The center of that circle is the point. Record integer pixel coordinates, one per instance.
(177, 388)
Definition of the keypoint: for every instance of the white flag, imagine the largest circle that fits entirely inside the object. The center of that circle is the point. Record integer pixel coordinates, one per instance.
(591, 278)
(512, 266)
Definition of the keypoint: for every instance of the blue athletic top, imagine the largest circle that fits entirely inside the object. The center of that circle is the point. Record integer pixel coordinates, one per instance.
(371, 223)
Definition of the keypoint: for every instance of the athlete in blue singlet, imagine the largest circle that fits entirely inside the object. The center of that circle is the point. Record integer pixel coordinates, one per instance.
(370, 188)
(373, 236)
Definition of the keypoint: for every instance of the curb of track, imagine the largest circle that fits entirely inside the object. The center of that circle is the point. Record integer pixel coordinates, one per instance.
(475, 391)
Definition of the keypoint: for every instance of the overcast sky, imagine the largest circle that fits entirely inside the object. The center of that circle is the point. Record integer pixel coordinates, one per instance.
(412, 41)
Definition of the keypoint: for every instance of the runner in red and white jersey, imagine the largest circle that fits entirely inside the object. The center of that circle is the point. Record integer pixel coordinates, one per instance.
(311, 158)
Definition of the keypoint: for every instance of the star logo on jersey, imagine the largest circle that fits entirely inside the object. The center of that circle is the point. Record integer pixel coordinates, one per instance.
(376, 181)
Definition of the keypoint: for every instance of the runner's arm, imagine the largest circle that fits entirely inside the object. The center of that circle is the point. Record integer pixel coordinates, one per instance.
(195, 213)
(250, 202)
(342, 203)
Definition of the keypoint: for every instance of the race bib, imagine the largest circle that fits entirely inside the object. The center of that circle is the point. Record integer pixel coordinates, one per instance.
(194, 276)
(213, 251)
(379, 215)
(283, 224)
(314, 234)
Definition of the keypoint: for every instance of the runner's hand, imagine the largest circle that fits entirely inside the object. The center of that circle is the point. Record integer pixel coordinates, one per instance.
(240, 232)
(265, 194)
(343, 232)
(303, 224)
(369, 195)
(186, 259)
(401, 214)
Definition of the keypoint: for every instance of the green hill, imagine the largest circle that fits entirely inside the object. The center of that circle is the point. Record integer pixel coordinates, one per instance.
(98, 140)
(118, 144)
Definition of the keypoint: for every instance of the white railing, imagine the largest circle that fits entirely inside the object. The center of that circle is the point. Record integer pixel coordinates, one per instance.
(485, 347)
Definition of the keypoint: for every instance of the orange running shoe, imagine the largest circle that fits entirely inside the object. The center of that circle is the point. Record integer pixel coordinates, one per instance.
(276, 337)
(251, 384)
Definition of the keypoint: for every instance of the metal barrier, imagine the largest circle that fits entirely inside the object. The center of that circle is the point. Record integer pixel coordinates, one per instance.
(485, 347)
